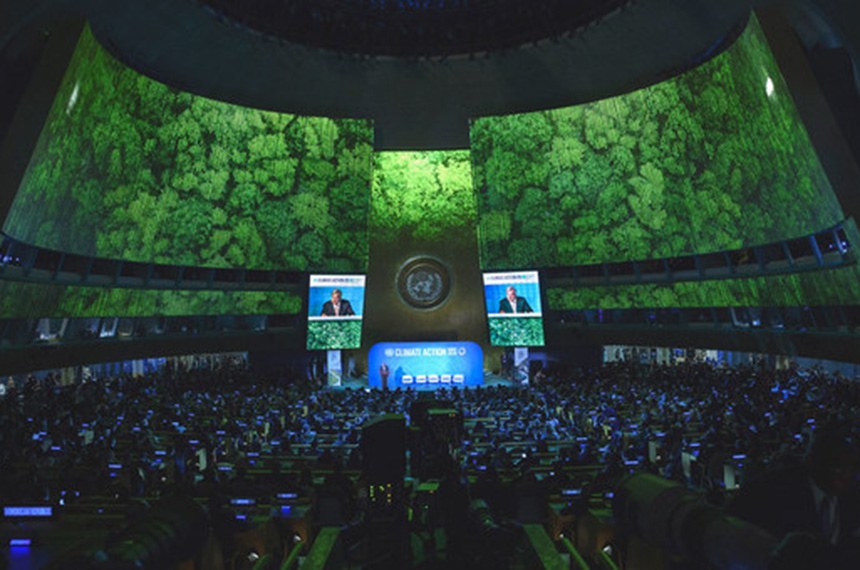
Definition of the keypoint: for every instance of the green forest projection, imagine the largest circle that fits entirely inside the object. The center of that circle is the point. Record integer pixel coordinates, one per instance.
(129, 168)
(423, 206)
(516, 331)
(714, 159)
(422, 195)
(27, 300)
(334, 334)
(840, 286)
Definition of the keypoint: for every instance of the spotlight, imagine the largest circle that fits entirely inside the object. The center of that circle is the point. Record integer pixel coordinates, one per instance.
(607, 550)
(769, 87)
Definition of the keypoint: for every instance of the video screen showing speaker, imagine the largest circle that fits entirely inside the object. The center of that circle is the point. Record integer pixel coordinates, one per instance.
(335, 311)
(514, 310)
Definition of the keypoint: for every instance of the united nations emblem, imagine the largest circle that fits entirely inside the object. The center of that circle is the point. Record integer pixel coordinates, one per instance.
(423, 283)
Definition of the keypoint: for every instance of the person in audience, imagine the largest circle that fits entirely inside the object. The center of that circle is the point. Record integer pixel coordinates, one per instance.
(819, 496)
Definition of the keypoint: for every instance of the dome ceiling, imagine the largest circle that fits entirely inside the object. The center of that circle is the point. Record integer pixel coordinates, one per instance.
(404, 28)
(423, 99)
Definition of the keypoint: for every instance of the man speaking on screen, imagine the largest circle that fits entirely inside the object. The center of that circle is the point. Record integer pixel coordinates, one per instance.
(338, 306)
(512, 304)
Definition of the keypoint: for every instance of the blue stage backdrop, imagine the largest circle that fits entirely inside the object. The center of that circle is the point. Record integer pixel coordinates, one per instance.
(426, 365)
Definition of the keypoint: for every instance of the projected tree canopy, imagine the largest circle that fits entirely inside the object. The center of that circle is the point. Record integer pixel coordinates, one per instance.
(714, 159)
(24, 300)
(129, 168)
(422, 195)
(827, 287)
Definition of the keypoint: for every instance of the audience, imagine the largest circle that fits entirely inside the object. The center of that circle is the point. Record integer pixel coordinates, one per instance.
(815, 498)
(176, 427)
(221, 431)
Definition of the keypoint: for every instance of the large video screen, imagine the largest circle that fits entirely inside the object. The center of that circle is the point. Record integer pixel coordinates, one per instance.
(335, 311)
(714, 159)
(514, 311)
(127, 167)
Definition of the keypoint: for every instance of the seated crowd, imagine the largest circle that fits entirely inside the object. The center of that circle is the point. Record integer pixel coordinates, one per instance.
(223, 431)
(618, 417)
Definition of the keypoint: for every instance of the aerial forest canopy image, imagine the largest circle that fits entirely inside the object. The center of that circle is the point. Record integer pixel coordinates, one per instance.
(21, 300)
(422, 195)
(127, 167)
(714, 159)
(838, 286)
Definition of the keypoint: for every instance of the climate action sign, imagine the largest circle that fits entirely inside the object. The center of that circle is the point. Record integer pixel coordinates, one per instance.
(425, 365)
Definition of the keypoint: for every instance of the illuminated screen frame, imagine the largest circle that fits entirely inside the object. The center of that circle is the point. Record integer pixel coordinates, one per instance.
(335, 332)
(512, 328)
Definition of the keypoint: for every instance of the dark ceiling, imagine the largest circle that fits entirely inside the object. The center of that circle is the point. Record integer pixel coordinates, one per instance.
(414, 27)
(416, 102)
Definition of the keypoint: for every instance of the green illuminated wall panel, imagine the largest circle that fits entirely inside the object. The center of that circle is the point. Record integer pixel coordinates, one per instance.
(422, 195)
(129, 168)
(28, 300)
(714, 159)
(825, 287)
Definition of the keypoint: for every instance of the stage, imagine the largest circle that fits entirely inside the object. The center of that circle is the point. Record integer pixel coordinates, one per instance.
(362, 382)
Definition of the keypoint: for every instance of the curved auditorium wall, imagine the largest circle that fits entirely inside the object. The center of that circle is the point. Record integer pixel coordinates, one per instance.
(28, 300)
(838, 286)
(127, 167)
(711, 160)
